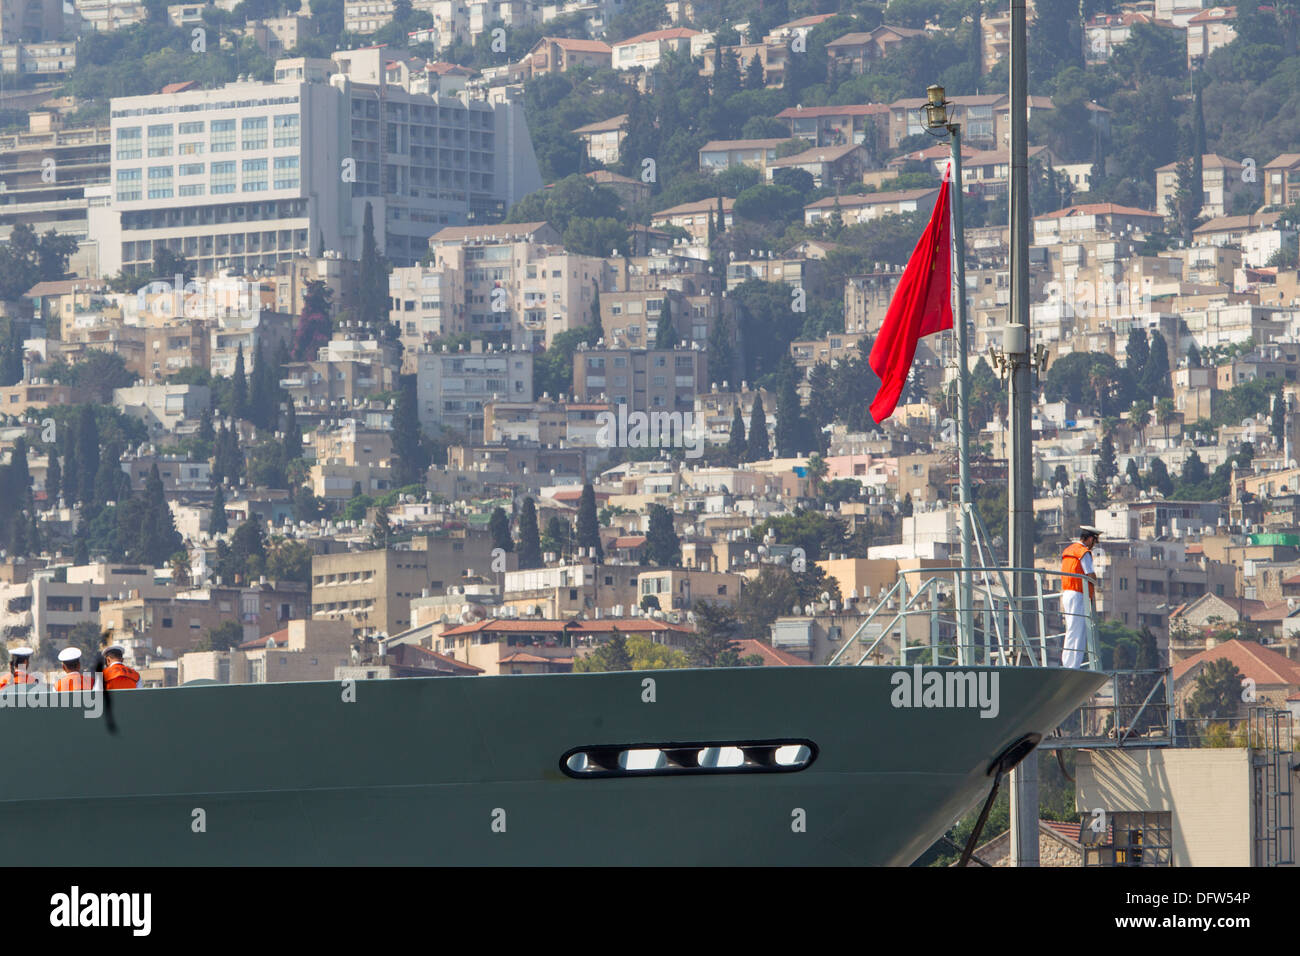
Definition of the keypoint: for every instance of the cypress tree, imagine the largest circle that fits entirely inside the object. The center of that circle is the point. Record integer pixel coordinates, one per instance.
(1278, 425)
(736, 440)
(411, 463)
(239, 388)
(790, 427)
(1106, 466)
(1136, 352)
(499, 528)
(81, 551)
(292, 433)
(1084, 505)
(87, 435)
(1154, 380)
(758, 447)
(206, 432)
(217, 523)
(589, 522)
(530, 544)
(663, 547)
(260, 408)
(53, 479)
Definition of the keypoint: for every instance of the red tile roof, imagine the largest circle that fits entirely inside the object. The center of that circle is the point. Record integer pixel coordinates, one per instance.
(630, 541)
(1098, 209)
(676, 33)
(850, 109)
(1261, 664)
(772, 657)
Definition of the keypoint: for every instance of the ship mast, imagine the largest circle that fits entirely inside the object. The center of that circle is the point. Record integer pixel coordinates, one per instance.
(1020, 528)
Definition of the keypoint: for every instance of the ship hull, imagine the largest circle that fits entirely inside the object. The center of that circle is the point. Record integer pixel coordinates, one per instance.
(469, 771)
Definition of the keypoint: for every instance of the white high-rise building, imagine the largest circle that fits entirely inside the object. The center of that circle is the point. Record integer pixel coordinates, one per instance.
(253, 173)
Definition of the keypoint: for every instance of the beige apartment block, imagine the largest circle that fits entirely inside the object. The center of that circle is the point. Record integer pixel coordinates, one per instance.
(372, 590)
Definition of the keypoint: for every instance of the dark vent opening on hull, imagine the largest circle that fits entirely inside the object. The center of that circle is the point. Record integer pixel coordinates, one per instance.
(681, 759)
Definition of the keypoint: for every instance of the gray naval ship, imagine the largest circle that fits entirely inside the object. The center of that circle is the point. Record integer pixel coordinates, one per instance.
(725, 766)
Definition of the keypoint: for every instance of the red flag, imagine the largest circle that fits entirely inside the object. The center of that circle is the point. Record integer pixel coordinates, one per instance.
(922, 305)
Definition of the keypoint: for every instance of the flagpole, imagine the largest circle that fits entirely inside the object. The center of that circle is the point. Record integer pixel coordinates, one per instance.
(936, 114)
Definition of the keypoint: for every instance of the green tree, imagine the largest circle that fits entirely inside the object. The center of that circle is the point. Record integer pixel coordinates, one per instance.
(663, 547)
(1218, 690)
(217, 523)
(1155, 379)
(558, 536)
(292, 433)
(238, 408)
(589, 523)
(226, 636)
(736, 445)
(1106, 467)
(1158, 478)
(411, 459)
(1278, 424)
(791, 429)
(713, 642)
(530, 548)
(499, 528)
(372, 293)
(757, 448)
(612, 655)
(1137, 351)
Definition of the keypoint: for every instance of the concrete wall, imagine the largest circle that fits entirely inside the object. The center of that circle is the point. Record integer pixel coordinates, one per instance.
(1207, 791)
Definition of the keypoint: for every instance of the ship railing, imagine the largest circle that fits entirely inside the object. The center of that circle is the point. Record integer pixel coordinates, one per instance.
(1134, 708)
(973, 616)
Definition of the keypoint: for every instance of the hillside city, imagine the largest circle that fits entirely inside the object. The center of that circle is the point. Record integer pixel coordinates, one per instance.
(544, 348)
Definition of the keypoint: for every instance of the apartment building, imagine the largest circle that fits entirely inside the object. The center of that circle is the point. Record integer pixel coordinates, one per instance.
(515, 282)
(1142, 582)
(862, 124)
(976, 113)
(871, 206)
(162, 407)
(1209, 30)
(719, 154)
(645, 380)
(341, 276)
(454, 387)
(38, 608)
(170, 624)
(252, 174)
(1218, 175)
(544, 422)
(694, 217)
(773, 58)
(603, 140)
(1093, 221)
(31, 20)
(867, 297)
(645, 50)
(372, 590)
(853, 53)
(561, 54)
(301, 651)
(44, 174)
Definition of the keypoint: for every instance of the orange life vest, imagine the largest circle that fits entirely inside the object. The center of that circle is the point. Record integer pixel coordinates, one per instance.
(1072, 563)
(20, 677)
(117, 676)
(75, 680)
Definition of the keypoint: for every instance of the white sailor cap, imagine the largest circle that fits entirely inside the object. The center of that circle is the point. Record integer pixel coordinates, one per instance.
(115, 647)
(70, 654)
(21, 652)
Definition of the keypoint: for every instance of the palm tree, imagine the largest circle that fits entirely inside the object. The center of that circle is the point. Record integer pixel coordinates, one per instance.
(817, 469)
(1138, 416)
(1165, 414)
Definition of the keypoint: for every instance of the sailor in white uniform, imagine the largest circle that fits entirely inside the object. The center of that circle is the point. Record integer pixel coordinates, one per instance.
(1076, 603)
